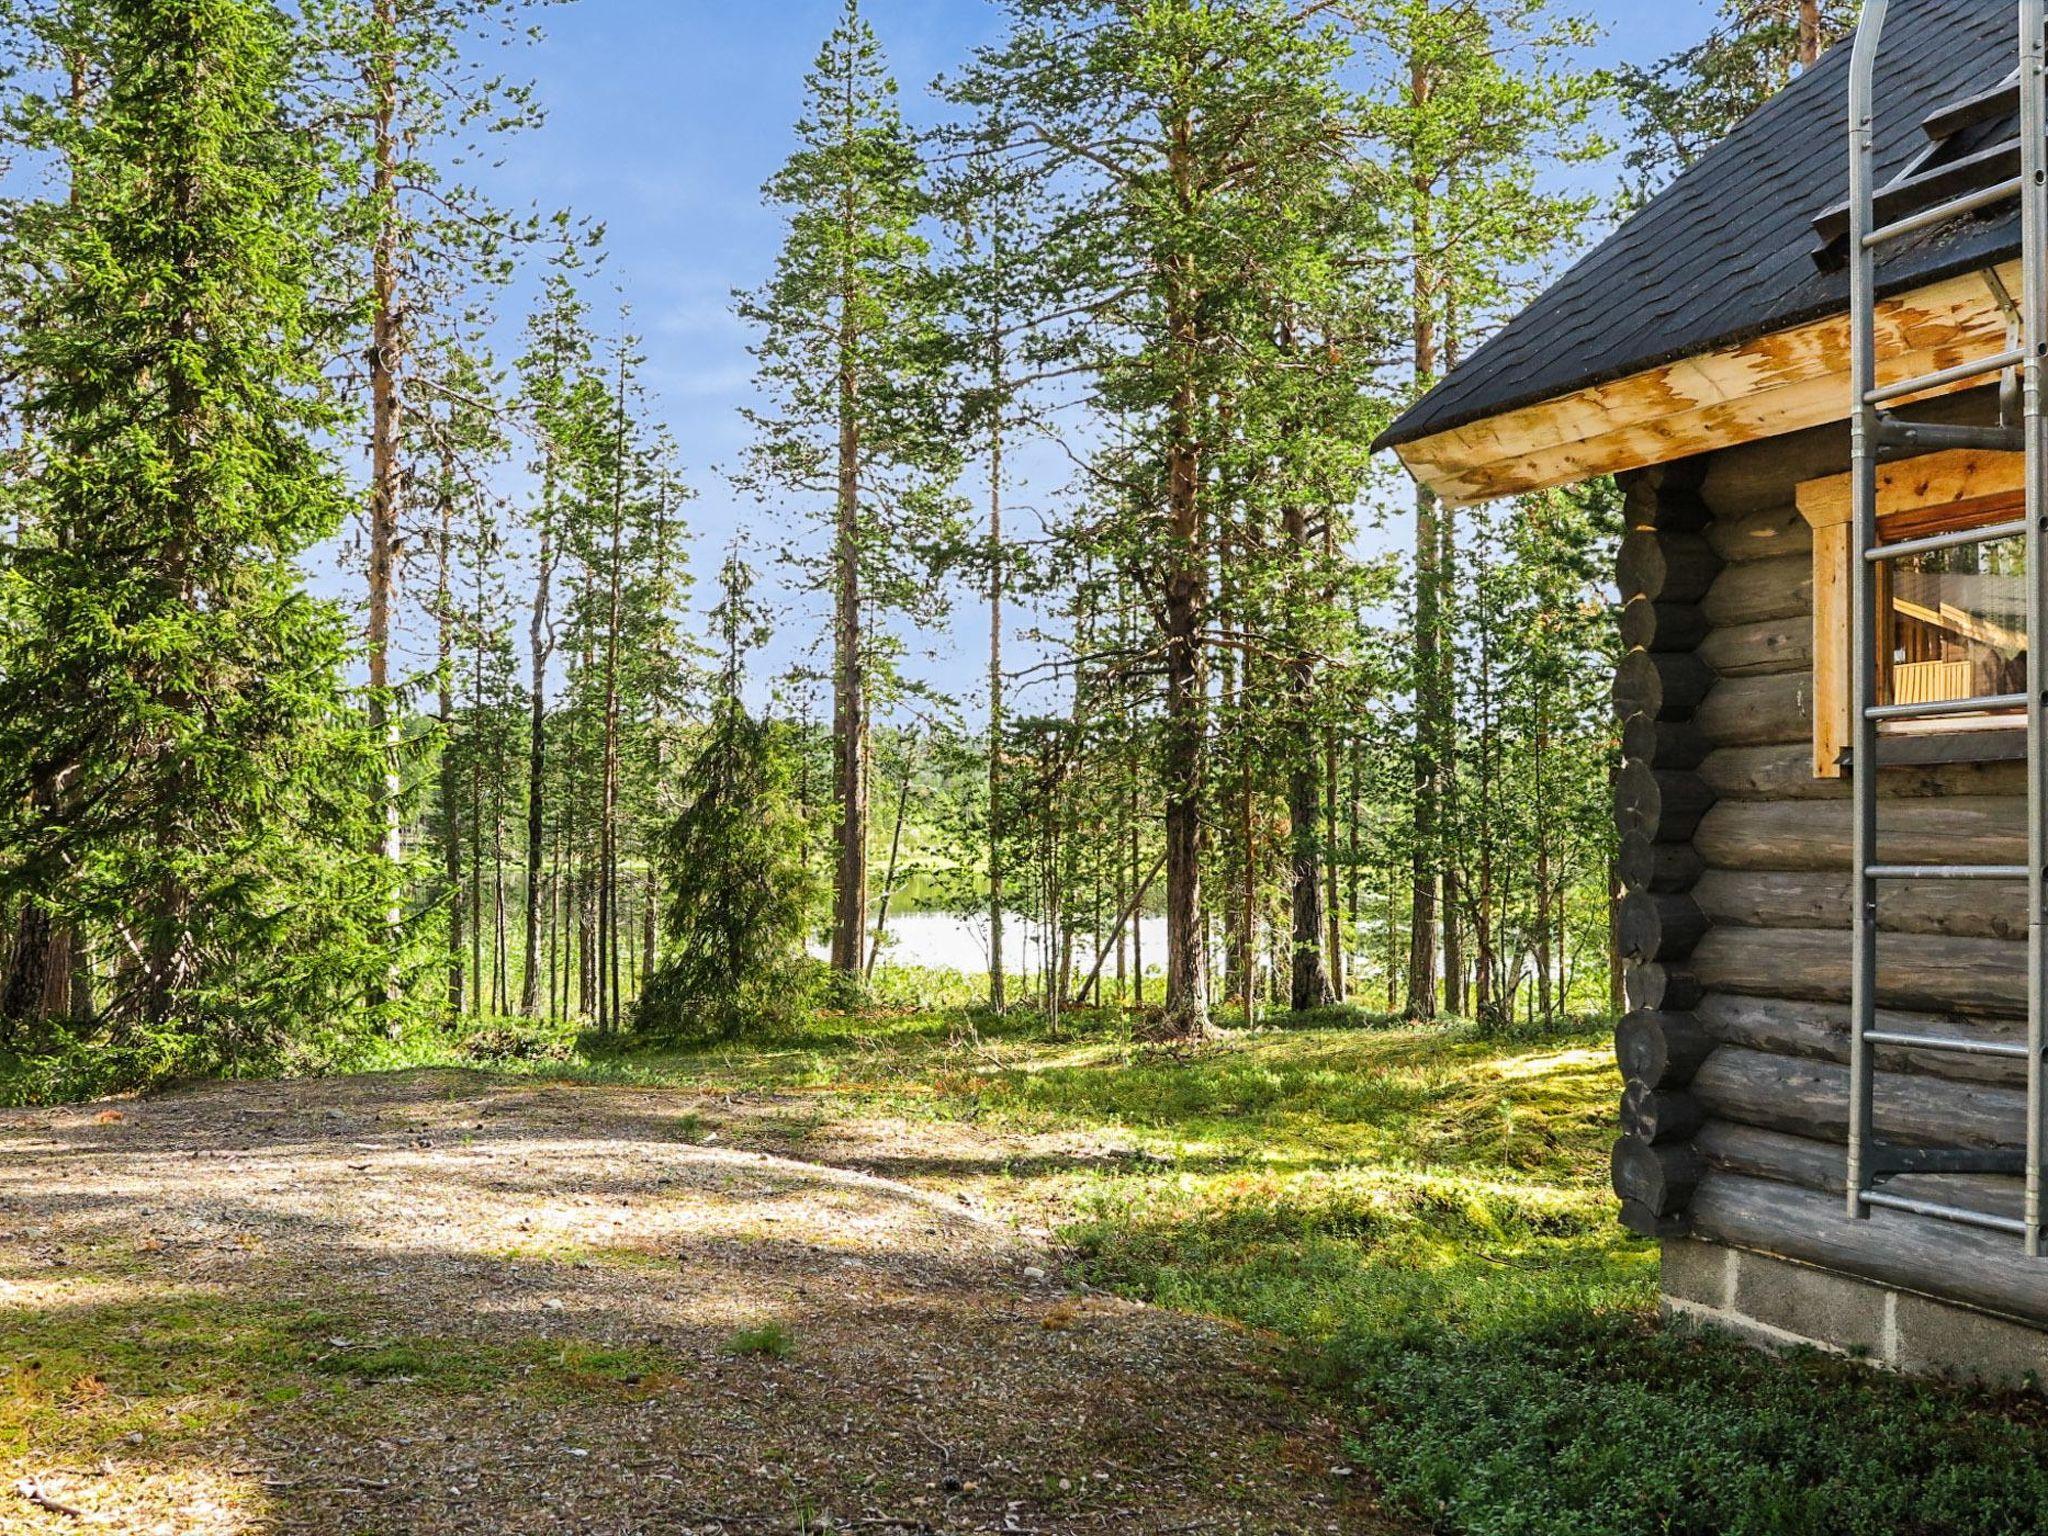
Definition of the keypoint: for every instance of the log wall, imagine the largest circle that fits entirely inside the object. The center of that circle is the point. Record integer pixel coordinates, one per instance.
(1734, 923)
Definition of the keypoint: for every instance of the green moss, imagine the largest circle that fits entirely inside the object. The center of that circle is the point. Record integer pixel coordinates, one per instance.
(770, 1338)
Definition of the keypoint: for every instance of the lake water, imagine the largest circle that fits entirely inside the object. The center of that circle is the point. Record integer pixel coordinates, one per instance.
(941, 941)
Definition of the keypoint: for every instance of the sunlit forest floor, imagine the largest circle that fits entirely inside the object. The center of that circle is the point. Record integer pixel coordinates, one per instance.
(915, 1272)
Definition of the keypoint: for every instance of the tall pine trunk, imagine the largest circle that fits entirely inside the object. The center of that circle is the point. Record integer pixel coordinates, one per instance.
(1186, 597)
(849, 694)
(1309, 976)
(540, 645)
(386, 424)
(451, 771)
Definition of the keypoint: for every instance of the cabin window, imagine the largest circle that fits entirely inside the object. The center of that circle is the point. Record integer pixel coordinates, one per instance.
(1955, 628)
(1954, 619)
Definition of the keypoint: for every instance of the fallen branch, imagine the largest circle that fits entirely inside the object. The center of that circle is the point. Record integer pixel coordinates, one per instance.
(29, 1489)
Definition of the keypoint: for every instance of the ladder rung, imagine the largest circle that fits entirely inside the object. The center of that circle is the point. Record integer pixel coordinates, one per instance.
(2009, 1050)
(1936, 709)
(1939, 541)
(1899, 438)
(1942, 1212)
(1945, 872)
(1986, 106)
(2012, 357)
(1941, 213)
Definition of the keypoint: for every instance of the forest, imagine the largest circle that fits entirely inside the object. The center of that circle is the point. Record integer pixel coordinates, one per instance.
(1054, 975)
(520, 759)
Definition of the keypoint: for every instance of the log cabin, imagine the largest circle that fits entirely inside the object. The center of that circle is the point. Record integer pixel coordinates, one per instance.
(1703, 356)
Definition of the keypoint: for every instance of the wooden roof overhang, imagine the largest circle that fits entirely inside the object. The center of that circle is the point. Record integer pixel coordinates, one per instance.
(1783, 382)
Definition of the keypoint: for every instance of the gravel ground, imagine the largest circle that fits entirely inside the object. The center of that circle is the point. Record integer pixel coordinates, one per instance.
(365, 1243)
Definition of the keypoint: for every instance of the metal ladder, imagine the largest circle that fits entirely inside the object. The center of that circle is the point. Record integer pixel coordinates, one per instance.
(1877, 435)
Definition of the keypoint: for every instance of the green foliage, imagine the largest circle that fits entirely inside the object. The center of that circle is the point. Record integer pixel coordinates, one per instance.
(771, 1340)
(738, 896)
(1688, 101)
(1606, 1426)
(189, 777)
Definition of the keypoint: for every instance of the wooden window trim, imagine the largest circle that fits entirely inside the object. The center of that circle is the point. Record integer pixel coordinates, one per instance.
(1914, 497)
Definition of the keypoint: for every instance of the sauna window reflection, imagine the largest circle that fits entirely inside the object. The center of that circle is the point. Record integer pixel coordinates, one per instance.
(1957, 622)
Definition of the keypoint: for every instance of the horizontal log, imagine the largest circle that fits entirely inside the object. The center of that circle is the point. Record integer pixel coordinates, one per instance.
(1778, 588)
(1785, 772)
(1652, 626)
(1644, 1221)
(1923, 973)
(1970, 909)
(1774, 709)
(1934, 1258)
(1823, 1166)
(1659, 1177)
(1811, 1098)
(1654, 927)
(1665, 496)
(1767, 471)
(1659, 685)
(1761, 533)
(1663, 804)
(1660, 1049)
(1650, 987)
(1663, 743)
(1820, 1032)
(1665, 566)
(1800, 835)
(1754, 650)
(1648, 865)
(1659, 1114)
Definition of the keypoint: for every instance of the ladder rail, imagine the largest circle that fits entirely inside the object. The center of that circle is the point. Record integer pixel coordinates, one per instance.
(1863, 450)
(1872, 434)
(2034, 326)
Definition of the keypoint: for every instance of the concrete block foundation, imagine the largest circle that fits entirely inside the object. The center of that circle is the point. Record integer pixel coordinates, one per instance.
(1780, 1305)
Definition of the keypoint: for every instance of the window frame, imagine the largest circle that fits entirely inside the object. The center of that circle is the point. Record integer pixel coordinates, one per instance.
(1915, 497)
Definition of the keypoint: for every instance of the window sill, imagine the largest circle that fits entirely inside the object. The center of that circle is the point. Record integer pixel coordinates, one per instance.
(1985, 744)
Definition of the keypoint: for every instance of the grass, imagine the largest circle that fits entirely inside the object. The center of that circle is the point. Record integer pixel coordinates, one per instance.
(1420, 1215)
(770, 1339)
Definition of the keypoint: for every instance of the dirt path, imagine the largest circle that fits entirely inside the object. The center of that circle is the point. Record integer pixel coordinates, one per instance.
(434, 1303)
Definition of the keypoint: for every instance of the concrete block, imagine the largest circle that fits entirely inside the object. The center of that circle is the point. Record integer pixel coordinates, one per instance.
(1968, 1346)
(1811, 1304)
(1698, 1272)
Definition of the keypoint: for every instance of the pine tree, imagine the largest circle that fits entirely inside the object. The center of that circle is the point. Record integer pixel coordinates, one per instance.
(403, 102)
(171, 702)
(1163, 145)
(1688, 101)
(851, 357)
(1481, 95)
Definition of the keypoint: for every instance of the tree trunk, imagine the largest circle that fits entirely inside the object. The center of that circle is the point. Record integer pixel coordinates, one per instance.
(849, 703)
(895, 854)
(1309, 977)
(1186, 747)
(540, 644)
(451, 772)
(996, 577)
(1422, 916)
(1809, 33)
(387, 342)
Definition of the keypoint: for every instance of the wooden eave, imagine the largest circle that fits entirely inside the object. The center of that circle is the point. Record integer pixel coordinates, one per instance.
(1784, 382)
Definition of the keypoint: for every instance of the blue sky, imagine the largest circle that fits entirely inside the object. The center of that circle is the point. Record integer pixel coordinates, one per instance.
(665, 116)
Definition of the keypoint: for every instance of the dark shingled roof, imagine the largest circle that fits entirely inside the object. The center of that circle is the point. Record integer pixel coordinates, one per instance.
(1724, 254)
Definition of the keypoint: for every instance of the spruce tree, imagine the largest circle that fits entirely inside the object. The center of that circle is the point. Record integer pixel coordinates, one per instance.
(171, 702)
